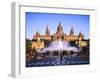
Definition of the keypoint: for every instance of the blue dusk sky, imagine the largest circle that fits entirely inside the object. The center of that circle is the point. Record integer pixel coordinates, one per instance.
(39, 21)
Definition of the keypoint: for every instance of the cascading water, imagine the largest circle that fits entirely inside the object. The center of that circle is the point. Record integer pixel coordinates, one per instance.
(60, 45)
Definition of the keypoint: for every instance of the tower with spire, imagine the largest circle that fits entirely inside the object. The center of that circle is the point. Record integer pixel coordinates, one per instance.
(47, 31)
(81, 36)
(37, 33)
(72, 31)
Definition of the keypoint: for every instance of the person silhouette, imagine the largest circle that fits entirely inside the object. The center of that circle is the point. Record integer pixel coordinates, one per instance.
(61, 57)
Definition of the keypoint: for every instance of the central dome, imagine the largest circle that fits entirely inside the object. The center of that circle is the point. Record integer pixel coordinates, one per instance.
(59, 28)
(59, 32)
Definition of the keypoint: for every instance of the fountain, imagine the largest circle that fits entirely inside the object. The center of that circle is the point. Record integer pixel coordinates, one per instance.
(60, 45)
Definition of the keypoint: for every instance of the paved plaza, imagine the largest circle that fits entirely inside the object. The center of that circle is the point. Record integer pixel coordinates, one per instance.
(57, 61)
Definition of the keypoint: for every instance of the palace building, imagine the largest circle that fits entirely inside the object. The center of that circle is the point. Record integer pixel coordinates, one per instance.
(39, 43)
(59, 34)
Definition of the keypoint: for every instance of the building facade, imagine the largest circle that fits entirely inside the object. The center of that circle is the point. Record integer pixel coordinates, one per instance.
(59, 34)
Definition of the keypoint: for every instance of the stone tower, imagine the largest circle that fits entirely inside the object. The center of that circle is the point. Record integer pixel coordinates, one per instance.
(72, 31)
(47, 31)
(81, 36)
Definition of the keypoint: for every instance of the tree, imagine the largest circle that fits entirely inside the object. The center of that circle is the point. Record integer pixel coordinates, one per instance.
(28, 46)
